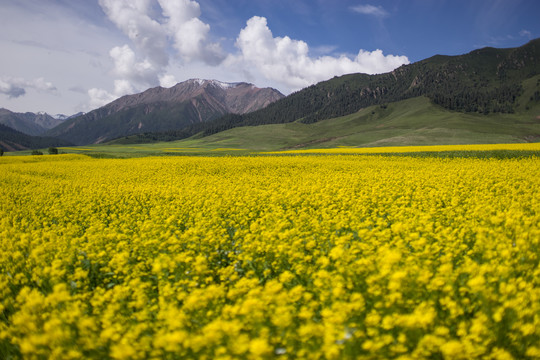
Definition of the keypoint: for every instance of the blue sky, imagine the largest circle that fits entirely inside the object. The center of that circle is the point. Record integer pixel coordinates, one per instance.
(65, 56)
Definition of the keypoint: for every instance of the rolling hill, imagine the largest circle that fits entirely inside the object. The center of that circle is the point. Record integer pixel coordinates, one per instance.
(414, 121)
(483, 81)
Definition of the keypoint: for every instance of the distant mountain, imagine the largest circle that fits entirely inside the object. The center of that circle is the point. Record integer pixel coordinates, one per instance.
(13, 140)
(63, 117)
(483, 81)
(45, 120)
(60, 117)
(163, 109)
(29, 123)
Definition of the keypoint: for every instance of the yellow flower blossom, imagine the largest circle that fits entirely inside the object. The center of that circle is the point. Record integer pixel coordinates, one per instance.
(310, 257)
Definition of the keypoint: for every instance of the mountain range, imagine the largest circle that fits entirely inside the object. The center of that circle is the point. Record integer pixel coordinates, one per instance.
(498, 88)
(31, 123)
(161, 109)
(13, 140)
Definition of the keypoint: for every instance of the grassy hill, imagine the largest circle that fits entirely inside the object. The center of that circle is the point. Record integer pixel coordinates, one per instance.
(414, 121)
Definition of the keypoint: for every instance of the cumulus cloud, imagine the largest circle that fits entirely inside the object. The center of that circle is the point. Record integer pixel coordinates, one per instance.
(16, 87)
(287, 61)
(163, 32)
(189, 33)
(145, 65)
(377, 11)
(10, 89)
(167, 80)
(127, 67)
(132, 18)
(100, 97)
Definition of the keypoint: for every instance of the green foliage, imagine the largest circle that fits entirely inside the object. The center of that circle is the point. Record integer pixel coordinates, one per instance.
(36, 152)
(53, 151)
(1, 152)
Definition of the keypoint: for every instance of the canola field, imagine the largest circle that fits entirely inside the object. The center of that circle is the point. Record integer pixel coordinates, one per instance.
(269, 257)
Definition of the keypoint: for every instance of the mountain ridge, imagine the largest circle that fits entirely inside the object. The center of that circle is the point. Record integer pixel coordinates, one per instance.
(162, 109)
(29, 123)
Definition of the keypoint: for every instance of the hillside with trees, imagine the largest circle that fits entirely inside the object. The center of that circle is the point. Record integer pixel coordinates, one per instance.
(483, 81)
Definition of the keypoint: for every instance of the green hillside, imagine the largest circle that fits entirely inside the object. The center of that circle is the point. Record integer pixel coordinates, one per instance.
(414, 121)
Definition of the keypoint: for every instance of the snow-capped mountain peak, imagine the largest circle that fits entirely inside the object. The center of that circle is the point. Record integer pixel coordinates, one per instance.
(217, 83)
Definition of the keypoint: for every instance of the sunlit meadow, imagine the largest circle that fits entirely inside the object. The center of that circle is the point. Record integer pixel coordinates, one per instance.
(250, 257)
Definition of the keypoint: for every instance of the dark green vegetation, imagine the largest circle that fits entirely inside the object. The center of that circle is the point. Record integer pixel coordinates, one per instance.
(488, 95)
(13, 140)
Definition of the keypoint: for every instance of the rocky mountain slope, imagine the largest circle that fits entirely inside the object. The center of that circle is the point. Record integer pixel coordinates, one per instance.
(163, 109)
(29, 123)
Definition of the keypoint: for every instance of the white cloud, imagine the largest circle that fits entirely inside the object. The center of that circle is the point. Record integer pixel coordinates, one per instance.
(189, 33)
(288, 62)
(10, 89)
(157, 42)
(41, 85)
(123, 87)
(126, 66)
(377, 11)
(167, 81)
(525, 33)
(16, 87)
(132, 18)
(146, 65)
(100, 97)
(323, 49)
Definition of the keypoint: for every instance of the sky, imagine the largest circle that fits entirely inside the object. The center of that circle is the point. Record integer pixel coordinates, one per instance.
(66, 56)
